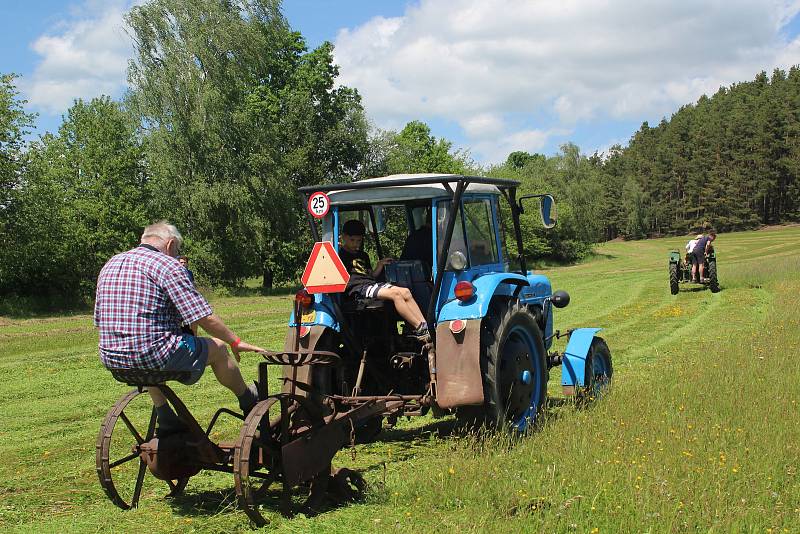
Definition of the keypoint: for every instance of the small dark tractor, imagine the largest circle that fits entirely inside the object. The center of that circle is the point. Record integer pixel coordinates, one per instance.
(680, 271)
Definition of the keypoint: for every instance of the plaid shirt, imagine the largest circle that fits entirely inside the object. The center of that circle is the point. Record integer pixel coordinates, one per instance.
(143, 298)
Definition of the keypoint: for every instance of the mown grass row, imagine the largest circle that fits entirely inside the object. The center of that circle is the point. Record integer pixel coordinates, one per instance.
(699, 433)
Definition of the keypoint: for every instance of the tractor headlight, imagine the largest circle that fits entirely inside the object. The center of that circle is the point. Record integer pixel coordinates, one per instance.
(457, 260)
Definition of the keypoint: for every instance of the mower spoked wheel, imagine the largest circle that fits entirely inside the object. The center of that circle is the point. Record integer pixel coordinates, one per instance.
(257, 461)
(121, 470)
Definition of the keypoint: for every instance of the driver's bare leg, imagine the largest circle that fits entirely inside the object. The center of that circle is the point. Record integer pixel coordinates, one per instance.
(404, 303)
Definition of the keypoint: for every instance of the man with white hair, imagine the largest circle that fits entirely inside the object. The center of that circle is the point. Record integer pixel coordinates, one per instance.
(143, 297)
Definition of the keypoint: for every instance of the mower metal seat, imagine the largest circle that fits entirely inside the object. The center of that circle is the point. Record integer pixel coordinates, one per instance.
(147, 377)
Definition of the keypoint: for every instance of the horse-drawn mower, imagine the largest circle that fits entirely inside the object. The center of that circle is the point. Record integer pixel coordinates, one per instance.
(346, 364)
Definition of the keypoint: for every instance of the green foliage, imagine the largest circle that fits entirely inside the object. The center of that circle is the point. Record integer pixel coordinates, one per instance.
(416, 150)
(14, 124)
(239, 115)
(82, 199)
(731, 159)
(574, 182)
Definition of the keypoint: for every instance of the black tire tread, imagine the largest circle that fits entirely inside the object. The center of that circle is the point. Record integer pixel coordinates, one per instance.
(673, 278)
(712, 276)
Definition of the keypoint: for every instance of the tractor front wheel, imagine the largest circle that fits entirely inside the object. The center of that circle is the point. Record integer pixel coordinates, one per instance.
(599, 371)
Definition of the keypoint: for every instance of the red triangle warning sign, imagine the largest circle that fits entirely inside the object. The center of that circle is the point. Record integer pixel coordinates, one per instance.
(325, 272)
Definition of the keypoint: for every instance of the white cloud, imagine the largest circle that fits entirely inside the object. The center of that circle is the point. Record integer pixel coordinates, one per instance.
(82, 58)
(530, 67)
(497, 149)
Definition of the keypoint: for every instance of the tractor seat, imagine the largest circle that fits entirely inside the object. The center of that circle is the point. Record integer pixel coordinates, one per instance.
(359, 305)
(147, 377)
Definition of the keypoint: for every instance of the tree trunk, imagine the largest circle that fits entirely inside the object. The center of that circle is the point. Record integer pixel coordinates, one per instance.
(266, 282)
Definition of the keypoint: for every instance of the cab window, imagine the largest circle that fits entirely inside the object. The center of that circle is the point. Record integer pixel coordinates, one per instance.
(480, 231)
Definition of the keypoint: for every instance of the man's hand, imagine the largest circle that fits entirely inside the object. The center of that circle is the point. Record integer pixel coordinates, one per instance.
(214, 326)
(244, 347)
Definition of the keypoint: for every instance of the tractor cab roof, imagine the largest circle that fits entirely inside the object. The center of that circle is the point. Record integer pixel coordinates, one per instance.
(403, 187)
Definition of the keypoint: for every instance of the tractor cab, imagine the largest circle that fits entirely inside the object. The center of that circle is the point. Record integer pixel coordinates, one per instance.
(408, 218)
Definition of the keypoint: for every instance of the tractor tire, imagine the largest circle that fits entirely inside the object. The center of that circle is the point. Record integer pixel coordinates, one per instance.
(712, 276)
(673, 278)
(514, 370)
(599, 372)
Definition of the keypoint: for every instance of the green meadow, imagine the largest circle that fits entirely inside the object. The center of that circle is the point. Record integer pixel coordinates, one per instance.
(699, 433)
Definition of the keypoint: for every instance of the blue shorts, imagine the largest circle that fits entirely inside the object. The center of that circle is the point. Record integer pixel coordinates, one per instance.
(191, 355)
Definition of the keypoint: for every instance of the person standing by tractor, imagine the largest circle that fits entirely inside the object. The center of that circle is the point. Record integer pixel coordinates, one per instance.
(701, 248)
(690, 256)
(143, 297)
(364, 284)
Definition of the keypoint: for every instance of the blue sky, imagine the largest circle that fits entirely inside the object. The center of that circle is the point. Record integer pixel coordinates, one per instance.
(493, 76)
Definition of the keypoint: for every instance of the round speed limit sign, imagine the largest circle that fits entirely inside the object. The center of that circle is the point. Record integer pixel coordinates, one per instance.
(318, 204)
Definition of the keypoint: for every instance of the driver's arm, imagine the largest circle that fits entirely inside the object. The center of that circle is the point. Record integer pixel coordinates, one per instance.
(380, 265)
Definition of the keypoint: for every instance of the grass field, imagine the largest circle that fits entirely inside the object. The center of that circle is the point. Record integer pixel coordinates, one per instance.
(700, 432)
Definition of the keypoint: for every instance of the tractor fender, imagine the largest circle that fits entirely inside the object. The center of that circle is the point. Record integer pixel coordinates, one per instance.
(486, 288)
(323, 313)
(459, 380)
(674, 256)
(573, 365)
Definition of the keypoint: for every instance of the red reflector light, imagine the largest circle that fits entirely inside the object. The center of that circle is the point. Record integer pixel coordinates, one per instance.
(303, 298)
(457, 326)
(304, 331)
(464, 291)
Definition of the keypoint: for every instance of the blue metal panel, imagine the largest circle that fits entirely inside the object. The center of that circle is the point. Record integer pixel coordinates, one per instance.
(486, 287)
(538, 289)
(573, 366)
(324, 313)
(535, 295)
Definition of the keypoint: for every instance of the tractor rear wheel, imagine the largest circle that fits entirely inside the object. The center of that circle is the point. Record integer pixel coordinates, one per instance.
(514, 370)
(673, 278)
(712, 276)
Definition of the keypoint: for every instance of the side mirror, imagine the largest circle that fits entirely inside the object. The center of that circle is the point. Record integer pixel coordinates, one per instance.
(547, 209)
(560, 299)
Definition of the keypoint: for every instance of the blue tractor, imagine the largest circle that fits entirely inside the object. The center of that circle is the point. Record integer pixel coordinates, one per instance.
(490, 318)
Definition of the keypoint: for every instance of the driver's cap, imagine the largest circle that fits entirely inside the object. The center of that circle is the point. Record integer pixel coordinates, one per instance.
(353, 227)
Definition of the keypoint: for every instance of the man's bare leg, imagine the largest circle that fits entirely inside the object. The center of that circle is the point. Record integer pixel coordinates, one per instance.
(228, 374)
(224, 366)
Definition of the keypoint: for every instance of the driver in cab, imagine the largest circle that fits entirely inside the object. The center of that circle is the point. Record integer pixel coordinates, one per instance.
(364, 282)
